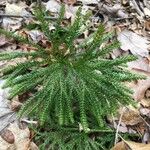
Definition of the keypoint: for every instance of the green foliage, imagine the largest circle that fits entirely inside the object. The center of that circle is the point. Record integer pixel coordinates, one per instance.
(71, 139)
(70, 83)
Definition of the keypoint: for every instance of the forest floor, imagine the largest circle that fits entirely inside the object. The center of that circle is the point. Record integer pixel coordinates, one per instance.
(129, 20)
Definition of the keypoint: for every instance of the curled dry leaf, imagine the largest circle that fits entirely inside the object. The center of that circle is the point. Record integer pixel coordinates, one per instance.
(138, 45)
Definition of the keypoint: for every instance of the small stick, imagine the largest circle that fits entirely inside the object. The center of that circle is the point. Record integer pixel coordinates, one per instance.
(117, 131)
(118, 19)
(29, 121)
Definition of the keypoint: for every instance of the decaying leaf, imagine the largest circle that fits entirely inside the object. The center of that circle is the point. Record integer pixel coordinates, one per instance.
(69, 2)
(130, 116)
(138, 45)
(35, 35)
(137, 146)
(86, 2)
(120, 146)
(145, 111)
(19, 138)
(140, 88)
(52, 6)
(6, 115)
(3, 40)
(16, 9)
(129, 145)
(141, 64)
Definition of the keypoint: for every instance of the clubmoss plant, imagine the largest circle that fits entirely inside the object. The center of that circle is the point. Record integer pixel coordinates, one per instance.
(71, 84)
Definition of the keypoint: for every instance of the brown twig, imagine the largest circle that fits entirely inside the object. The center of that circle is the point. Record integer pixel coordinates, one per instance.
(118, 19)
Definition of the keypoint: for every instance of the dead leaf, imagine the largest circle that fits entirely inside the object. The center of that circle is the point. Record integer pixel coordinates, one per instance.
(132, 146)
(11, 24)
(3, 2)
(119, 146)
(146, 136)
(6, 115)
(140, 88)
(22, 139)
(69, 2)
(147, 11)
(141, 64)
(137, 146)
(15, 105)
(147, 25)
(130, 116)
(16, 9)
(35, 35)
(138, 45)
(87, 2)
(53, 6)
(3, 40)
(145, 111)
(33, 146)
(145, 102)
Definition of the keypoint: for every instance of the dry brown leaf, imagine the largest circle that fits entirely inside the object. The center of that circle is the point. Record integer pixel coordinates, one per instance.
(35, 35)
(147, 25)
(145, 102)
(145, 111)
(141, 64)
(21, 139)
(131, 145)
(130, 116)
(70, 2)
(53, 6)
(15, 105)
(137, 146)
(3, 40)
(119, 146)
(16, 9)
(140, 89)
(138, 45)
